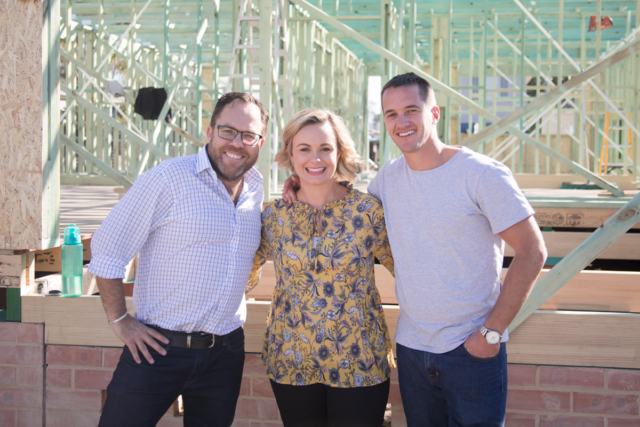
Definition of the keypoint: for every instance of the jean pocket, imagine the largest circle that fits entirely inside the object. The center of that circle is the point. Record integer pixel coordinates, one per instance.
(480, 359)
(235, 341)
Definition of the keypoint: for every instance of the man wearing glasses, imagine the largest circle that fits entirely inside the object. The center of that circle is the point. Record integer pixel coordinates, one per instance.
(195, 221)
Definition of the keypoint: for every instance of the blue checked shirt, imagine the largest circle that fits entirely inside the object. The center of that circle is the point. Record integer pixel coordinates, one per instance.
(196, 247)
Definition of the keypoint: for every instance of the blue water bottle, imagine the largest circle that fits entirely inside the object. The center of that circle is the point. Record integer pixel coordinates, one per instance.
(72, 262)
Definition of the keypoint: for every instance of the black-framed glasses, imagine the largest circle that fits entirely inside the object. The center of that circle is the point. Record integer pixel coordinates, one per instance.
(228, 133)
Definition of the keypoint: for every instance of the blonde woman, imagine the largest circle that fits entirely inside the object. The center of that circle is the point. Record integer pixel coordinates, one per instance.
(326, 349)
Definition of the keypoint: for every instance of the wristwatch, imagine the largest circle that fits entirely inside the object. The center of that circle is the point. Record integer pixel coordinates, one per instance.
(492, 337)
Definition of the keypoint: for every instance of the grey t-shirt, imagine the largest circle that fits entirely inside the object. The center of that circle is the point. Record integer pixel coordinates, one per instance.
(443, 227)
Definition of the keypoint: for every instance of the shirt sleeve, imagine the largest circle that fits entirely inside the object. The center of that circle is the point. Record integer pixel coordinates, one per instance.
(500, 198)
(382, 248)
(128, 225)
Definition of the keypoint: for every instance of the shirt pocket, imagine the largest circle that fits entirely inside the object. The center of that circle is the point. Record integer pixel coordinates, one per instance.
(204, 220)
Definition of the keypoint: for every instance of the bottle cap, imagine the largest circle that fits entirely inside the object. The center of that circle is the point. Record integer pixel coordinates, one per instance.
(72, 235)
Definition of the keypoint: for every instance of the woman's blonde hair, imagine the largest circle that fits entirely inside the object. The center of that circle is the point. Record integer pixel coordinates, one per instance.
(349, 160)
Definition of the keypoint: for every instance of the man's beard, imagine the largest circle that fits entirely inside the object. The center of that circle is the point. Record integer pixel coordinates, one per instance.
(227, 173)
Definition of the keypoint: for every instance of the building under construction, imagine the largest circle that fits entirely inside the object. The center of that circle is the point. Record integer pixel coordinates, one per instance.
(549, 88)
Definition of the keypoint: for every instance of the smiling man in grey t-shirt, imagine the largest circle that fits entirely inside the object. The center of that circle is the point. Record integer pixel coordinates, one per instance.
(449, 212)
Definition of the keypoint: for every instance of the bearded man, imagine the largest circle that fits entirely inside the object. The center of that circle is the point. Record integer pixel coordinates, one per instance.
(195, 221)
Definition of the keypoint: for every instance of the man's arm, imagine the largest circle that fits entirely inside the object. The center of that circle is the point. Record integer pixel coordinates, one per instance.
(134, 334)
(530, 254)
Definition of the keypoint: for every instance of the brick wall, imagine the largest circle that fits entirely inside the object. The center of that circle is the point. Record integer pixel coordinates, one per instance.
(539, 396)
(21, 382)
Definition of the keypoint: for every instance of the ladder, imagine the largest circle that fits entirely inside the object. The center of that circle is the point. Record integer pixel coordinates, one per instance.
(604, 151)
(245, 54)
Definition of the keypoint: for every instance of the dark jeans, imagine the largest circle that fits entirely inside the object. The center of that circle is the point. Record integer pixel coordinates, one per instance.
(208, 380)
(318, 405)
(452, 389)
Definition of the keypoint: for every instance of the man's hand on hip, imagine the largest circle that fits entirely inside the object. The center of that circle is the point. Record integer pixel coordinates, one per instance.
(478, 346)
(137, 337)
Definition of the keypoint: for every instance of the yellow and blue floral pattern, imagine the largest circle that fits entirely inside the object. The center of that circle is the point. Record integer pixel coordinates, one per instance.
(326, 323)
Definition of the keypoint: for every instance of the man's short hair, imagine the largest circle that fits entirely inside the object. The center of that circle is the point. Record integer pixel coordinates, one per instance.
(410, 79)
(228, 98)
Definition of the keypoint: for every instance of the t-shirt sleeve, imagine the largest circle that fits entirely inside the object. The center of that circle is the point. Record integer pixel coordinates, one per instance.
(500, 198)
(375, 186)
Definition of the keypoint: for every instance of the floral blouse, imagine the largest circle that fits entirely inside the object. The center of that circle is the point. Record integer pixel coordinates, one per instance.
(326, 323)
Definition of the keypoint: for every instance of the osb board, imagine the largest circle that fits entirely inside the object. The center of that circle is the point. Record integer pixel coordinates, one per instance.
(20, 124)
(589, 290)
(554, 338)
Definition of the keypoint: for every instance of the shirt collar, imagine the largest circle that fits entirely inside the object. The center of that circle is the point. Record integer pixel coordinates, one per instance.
(251, 177)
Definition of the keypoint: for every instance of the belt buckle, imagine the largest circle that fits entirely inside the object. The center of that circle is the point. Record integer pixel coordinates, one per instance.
(189, 341)
(213, 341)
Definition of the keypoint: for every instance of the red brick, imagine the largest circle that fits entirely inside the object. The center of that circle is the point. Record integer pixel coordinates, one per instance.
(76, 356)
(257, 408)
(58, 377)
(262, 387)
(398, 418)
(74, 400)
(84, 418)
(605, 403)
(8, 331)
(623, 422)
(29, 376)
(253, 364)
(570, 421)
(21, 354)
(394, 394)
(21, 397)
(245, 386)
(30, 333)
(7, 376)
(533, 400)
(30, 418)
(7, 418)
(265, 424)
(521, 375)
(171, 422)
(111, 357)
(561, 376)
(59, 418)
(624, 380)
(92, 379)
(515, 419)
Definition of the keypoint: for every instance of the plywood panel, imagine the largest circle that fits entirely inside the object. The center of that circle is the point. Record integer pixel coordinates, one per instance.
(20, 124)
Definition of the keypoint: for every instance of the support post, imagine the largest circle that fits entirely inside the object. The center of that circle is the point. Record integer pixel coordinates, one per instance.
(266, 81)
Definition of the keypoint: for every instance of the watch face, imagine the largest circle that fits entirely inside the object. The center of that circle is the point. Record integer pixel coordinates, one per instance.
(493, 337)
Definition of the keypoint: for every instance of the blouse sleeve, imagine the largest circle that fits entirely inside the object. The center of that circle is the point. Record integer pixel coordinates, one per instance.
(382, 249)
(259, 260)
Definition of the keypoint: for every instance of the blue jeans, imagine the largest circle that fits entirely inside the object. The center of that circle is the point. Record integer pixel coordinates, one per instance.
(452, 389)
(208, 380)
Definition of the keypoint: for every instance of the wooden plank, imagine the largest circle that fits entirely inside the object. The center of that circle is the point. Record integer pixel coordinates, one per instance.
(528, 180)
(574, 217)
(555, 338)
(577, 338)
(560, 243)
(589, 290)
(50, 260)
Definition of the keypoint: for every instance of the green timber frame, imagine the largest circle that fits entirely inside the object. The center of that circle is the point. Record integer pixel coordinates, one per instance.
(527, 83)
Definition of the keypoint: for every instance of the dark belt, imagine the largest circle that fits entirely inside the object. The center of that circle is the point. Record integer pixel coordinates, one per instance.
(192, 340)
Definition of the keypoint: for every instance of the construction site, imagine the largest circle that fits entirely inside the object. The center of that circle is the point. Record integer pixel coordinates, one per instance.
(550, 88)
